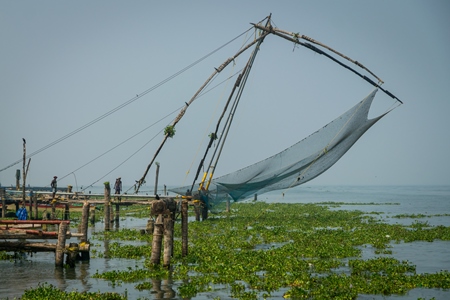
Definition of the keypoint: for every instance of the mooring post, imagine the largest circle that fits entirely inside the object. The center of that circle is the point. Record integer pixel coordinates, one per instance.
(107, 209)
(61, 245)
(157, 238)
(168, 234)
(84, 221)
(197, 210)
(53, 216)
(150, 226)
(31, 205)
(92, 216)
(117, 213)
(204, 209)
(3, 198)
(184, 228)
(36, 212)
(84, 229)
(66, 212)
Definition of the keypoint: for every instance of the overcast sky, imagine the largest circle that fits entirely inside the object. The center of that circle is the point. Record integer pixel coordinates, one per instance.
(64, 64)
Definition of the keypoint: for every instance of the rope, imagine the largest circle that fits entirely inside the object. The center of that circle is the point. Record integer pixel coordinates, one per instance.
(138, 96)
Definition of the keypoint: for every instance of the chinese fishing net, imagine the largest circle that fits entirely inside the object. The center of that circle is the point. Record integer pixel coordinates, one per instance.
(295, 165)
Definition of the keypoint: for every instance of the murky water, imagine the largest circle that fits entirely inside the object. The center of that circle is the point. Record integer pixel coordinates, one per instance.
(428, 257)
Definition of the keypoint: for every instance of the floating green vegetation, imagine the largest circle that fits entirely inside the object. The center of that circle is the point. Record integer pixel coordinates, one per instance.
(357, 203)
(418, 216)
(6, 256)
(304, 251)
(49, 292)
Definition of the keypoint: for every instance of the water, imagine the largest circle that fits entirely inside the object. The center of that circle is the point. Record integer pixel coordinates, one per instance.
(388, 200)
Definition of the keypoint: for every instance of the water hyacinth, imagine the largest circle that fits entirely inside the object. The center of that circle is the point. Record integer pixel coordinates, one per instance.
(300, 251)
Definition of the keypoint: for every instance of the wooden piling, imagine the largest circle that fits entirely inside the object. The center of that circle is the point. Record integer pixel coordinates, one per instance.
(60, 247)
(157, 238)
(197, 210)
(168, 241)
(204, 209)
(3, 198)
(84, 221)
(117, 213)
(111, 213)
(85, 255)
(107, 209)
(66, 211)
(36, 211)
(150, 226)
(53, 215)
(92, 216)
(184, 228)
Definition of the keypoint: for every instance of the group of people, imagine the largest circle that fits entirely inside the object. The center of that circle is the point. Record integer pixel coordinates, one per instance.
(54, 186)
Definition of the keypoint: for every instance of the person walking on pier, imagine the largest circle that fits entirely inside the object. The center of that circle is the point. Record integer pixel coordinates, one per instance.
(118, 187)
(54, 185)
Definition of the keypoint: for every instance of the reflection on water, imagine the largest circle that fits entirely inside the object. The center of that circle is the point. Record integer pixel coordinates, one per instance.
(427, 257)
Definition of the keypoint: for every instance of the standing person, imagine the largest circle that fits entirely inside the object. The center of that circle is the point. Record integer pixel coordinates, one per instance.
(54, 185)
(118, 186)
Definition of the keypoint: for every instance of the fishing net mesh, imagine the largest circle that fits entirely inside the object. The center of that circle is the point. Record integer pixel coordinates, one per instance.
(295, 165)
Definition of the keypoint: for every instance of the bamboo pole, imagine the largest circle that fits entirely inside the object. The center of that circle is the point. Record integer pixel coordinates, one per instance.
(157, 238)
(184, 228)
(156, 178)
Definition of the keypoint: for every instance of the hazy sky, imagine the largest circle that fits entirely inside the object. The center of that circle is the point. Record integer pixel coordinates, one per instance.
(66, 63)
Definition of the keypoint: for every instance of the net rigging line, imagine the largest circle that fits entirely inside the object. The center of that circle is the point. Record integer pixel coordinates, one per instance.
(115, 168)
(118, 145)
(138, 96)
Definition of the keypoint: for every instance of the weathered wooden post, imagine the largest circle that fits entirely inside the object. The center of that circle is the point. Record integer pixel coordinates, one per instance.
(3, 198)
(157, 238)
(197, 210)
(84, 221)
(204, 209)
(85, 255)
(111, 215)
(165, 210)
(107, 209)
(53, 215)
(150, 226)
(61, 245)
(17, 179)
(36, 212)
(156, 177)
(31, 205)
(69, 190)
(117, 213)
(184, 228)
(66, 211)
(168, 242)
(92, 216)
